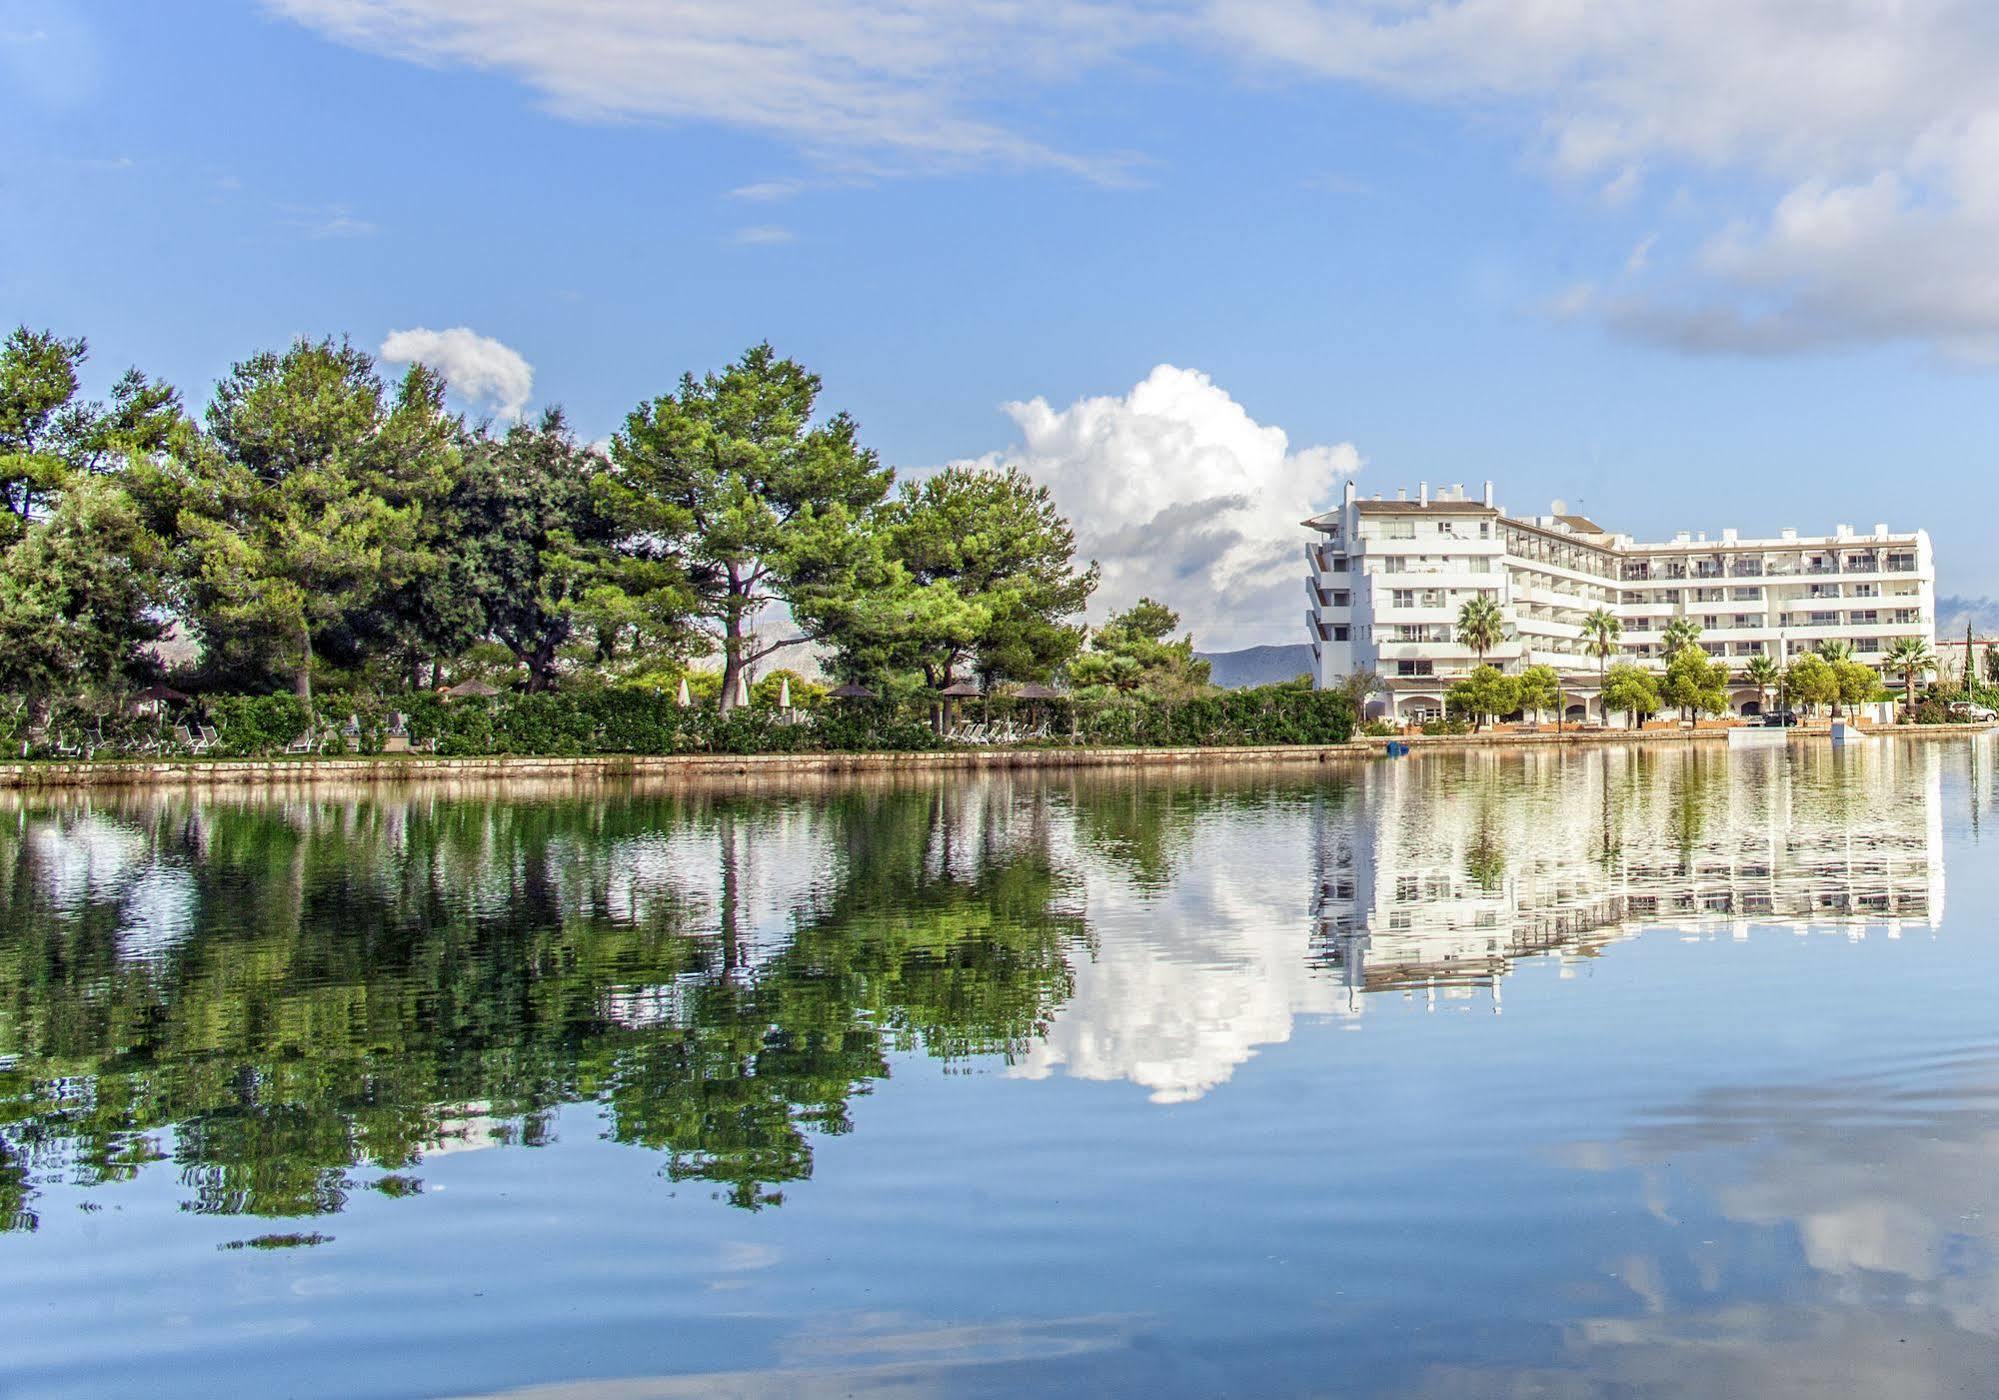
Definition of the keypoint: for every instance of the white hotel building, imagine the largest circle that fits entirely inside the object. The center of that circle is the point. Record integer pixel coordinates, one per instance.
(1386, 578)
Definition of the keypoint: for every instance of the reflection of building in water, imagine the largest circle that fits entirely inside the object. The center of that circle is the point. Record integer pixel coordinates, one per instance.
(1442, 873)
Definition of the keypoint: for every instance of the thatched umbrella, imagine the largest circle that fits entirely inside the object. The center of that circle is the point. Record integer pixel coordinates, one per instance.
(684, 699)
(957, 690)
(474, 689)
(784, 692)
(1034, 693)
(742, 690)
(851, 690)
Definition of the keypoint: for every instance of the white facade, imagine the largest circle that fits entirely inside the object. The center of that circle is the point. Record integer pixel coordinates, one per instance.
(1385, 581)
(1444, 874)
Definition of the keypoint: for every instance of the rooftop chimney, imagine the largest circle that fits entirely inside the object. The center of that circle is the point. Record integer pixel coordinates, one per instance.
(1488, 493)
(1353, 491)
(1423, 494)
(1401, 493)
(1880, 531)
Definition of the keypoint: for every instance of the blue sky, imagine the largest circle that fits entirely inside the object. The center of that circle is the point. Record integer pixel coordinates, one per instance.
(1717, 265)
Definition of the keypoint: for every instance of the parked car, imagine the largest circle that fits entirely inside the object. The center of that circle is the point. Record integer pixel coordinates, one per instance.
(1965, 709)
(1780, 719)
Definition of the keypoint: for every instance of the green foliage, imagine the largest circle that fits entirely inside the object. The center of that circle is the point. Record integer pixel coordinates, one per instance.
(1278, 714)
(254, 726)
(1378, 729)
(1809, 681)
(981, 569)
(303, 503)
(78, 596)
(1856, 682)
(1631, 690)
(1679, 634)
(1695, 684)
(1486, 693)
(732, 479)
(1449, 724)
(1540, 689)
(1134, 652)
(1481, 625)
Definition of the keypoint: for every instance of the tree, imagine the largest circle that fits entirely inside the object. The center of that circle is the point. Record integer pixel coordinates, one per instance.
(1764, 674)
(1991, 664)
(996, 541)
(1481, 625)
(303, 502)
(1836, 652)
(1601, 629)
(1911, 657)
(79, 597)
(1694, 684)
(1540, 690)
(1680, 633)
(49, 436)
(1485, 693)
(1809, 681)
(731, 475)
(1629, 689)
(541, 556)
(1134, 651)
(1856, 683)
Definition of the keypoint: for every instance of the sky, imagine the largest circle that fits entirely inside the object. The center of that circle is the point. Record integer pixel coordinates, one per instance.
(1190, 262)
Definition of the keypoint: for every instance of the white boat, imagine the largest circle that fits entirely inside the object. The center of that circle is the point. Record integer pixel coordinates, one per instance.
(1757, 737)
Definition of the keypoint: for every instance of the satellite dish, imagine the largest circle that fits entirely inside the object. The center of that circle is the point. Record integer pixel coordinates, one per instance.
(1558, 506)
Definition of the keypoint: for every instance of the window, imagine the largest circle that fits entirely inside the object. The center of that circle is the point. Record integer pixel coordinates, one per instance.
(1412, 668)
(1745, 620)
(1748, 595)
(1340, 564)
(1340, 631)
(1485, 529)
(1403, 597)
(1342, 598)
(1400, 530)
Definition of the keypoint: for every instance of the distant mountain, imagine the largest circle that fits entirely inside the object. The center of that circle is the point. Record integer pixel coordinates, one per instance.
(1258, 665)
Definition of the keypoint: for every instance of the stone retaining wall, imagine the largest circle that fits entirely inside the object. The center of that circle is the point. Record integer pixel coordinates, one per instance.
(419, 768)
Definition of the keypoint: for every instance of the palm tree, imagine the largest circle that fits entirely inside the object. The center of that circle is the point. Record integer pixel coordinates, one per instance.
(1764, 674)
(1912, 657)
(1481, 626)
(1602, 630)
(1680, 632)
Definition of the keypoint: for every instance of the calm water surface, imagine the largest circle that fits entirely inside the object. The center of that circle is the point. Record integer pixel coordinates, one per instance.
(1659, 1073)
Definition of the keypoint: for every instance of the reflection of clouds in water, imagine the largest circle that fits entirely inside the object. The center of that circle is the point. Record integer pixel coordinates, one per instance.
(91, 858)
(1188, 980)
(1884, 1186)
(888, 1354)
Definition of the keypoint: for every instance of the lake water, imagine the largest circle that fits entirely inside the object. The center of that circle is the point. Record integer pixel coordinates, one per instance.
(1605, 1072)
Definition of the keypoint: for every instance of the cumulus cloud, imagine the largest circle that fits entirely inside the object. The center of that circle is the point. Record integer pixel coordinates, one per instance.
(1177, 492)
(480, 369)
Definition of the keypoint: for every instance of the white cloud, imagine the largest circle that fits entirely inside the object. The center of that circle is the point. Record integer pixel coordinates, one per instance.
(763, 235)
(479, 369)
(1874, 127)
(327, 221)
(854, 81)
(1860, 133)
(1180, 494)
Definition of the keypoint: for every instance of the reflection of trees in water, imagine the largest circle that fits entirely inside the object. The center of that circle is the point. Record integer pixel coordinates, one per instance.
(360, 982)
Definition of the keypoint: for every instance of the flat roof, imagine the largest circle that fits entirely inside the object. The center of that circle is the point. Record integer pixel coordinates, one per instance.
(1419, 508)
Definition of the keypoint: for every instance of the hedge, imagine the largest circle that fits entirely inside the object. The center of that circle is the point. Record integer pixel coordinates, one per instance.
(635, 721)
